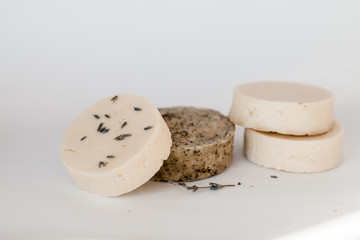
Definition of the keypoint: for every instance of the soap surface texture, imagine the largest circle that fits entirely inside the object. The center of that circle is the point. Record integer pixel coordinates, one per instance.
(298, 154)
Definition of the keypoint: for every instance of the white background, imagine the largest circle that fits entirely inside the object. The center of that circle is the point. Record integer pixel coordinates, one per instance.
(58, 57)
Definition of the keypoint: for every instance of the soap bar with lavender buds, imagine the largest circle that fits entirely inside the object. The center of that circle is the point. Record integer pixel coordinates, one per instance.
(116, 145)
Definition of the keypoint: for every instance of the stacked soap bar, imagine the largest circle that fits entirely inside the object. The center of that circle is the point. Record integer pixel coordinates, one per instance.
(289, 126)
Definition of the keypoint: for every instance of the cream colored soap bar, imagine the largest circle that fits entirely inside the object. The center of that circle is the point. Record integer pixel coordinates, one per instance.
(299, 154)
(116, 145)
(287, 108)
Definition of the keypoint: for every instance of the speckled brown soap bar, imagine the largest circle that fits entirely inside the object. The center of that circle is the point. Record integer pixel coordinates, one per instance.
(202, 144)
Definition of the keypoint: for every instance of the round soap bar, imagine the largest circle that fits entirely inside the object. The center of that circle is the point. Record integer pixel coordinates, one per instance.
(116, 145)
(202, 144)
(287, 108)
(299, 154)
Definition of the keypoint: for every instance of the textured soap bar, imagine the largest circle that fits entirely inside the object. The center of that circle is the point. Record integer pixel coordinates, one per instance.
(202, 144)
(287, 108)
(299, 154)
(116, 145)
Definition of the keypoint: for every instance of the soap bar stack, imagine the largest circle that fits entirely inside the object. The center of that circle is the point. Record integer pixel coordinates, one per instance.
(289, 126)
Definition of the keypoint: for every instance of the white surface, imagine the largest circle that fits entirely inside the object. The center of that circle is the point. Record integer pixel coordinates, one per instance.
(57, 57)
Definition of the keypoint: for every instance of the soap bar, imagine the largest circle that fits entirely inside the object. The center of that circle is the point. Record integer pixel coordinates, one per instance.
(202, 144)
(116, 145)
(298, 154)
(286, 108)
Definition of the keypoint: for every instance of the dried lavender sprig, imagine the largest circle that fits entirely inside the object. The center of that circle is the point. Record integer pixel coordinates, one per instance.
(216, 186)
(194, 188)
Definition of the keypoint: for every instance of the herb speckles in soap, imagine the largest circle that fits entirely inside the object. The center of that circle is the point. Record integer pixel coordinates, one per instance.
(148, 128)
(83, 138)
(122, 137)
(100, 127)
(114, 99)
(102, 164)
(104, 130)
(137, 109)
(123, 125)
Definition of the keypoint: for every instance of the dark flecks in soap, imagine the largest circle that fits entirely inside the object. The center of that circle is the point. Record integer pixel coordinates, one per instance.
(96, 116)
(83, 138)
(124, 124)
(122, 137)
(148, 128)
(104, 130)
(137, 109)
(110, 156)
(102, 164)
(100, 126)
(106, 115)
(114, 99)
